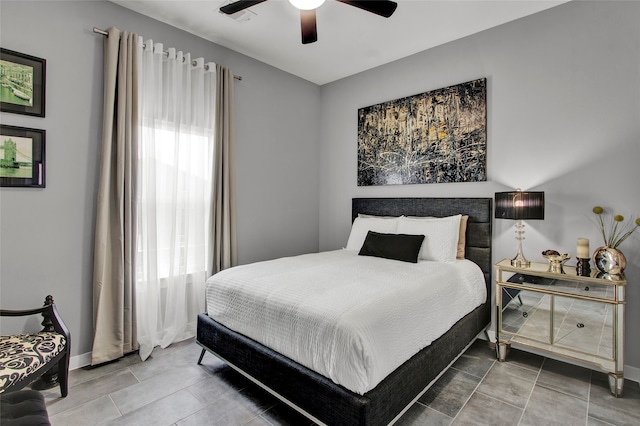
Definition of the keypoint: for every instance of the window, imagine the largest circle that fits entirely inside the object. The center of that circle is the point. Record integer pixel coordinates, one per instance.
(176, 185)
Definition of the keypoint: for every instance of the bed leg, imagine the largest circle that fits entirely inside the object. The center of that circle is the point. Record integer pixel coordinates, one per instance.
(201, 356)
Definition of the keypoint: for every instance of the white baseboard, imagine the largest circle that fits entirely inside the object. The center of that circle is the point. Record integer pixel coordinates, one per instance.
(630, 373)
(80, 361)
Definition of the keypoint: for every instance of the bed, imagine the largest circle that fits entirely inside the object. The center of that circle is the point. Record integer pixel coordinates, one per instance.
(318, 397)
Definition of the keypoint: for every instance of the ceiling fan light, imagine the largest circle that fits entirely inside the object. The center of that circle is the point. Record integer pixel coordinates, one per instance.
(306, 4)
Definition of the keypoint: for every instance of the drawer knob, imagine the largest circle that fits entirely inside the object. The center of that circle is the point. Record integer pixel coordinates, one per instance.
(586, 288)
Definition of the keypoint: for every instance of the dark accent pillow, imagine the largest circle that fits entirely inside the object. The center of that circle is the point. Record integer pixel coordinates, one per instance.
(402, 247)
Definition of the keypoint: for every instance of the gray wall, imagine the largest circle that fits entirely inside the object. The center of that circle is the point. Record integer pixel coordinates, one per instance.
(563, 117)
(47, 234)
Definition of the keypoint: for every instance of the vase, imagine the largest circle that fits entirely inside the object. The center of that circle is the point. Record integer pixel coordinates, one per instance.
(609, 260)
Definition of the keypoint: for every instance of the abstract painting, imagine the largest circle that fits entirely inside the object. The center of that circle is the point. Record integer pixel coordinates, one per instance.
(434, 137)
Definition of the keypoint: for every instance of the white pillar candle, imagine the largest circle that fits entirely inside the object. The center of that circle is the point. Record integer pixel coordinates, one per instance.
(582, 251)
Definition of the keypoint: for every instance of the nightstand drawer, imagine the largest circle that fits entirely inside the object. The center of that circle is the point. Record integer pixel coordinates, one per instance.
(570, 287)
(585, 289)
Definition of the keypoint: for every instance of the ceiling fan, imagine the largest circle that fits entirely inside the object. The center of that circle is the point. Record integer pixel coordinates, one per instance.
(308, 12)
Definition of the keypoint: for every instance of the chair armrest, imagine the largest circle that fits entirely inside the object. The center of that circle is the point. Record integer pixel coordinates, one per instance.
(56, 322)
(22, 313)
(51, 321)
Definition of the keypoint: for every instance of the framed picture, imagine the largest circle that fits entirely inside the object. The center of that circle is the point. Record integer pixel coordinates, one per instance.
(22, 157)
(22, 83)
(438, 136)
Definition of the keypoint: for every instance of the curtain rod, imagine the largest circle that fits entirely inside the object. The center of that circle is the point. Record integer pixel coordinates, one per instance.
(106, 34)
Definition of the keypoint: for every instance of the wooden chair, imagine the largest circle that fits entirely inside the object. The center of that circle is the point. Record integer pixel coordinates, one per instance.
(26, 357)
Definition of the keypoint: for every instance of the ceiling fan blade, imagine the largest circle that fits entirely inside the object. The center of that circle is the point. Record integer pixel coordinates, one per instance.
(232, 8)
(308, 24)
(382, 7)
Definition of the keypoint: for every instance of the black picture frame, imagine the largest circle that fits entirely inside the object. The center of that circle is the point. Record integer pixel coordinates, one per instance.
(22, 83)
(23, 157)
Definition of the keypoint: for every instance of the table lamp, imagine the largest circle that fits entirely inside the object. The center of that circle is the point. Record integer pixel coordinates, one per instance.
(519, 205)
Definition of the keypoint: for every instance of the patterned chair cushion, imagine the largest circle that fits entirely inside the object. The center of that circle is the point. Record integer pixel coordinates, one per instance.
(21, 355)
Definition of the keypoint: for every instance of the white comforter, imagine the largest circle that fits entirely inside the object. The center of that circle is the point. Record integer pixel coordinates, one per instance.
(353, 319)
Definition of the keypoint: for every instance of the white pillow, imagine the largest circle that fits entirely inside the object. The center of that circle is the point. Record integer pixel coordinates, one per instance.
(441, 236)
(362, 225)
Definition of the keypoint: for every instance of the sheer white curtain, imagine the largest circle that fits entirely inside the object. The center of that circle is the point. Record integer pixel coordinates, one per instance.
(176, 151)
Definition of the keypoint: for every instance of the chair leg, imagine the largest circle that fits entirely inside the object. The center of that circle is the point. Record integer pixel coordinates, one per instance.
(63, 374)
(201, 356)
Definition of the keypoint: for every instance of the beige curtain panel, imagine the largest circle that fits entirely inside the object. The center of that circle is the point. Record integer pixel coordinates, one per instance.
(225, 250)
(114, 262)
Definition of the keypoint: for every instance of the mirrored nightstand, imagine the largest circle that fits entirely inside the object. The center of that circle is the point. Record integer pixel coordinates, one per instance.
(580, 318)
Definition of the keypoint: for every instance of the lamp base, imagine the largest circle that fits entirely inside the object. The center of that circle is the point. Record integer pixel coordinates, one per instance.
(520, 262)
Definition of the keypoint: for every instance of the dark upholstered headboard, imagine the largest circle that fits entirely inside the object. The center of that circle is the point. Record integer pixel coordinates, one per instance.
(480, 211)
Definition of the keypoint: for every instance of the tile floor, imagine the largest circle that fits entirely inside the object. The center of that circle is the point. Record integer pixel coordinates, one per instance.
(171, 389)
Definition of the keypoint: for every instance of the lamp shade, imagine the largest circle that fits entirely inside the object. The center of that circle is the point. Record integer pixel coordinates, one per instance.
(519, 205)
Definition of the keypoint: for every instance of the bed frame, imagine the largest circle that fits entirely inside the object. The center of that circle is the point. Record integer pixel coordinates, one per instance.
(325, 402)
